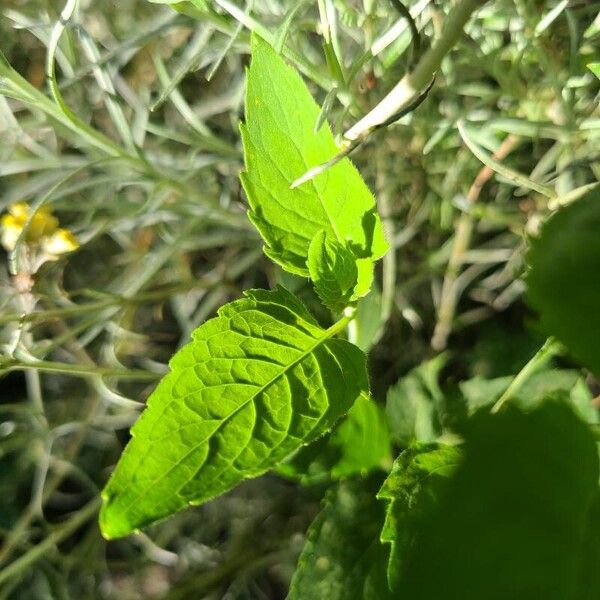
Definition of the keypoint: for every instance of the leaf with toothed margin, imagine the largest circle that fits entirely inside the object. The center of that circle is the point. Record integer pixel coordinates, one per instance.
(410, 491)
(343, 558)
(518, 517)
(332, 268)
(280, 145)
(253, 385)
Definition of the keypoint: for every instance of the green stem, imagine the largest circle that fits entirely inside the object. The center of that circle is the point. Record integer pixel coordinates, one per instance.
(63, 532)
(550, 348)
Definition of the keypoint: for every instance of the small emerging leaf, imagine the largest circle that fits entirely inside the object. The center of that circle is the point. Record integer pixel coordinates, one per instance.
(279, 146)
(255, 384)
(332, 267)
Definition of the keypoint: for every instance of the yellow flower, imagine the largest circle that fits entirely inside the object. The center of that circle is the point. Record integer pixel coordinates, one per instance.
(11, 230)
(19, 210)
(60, 242)
(41, 227)
(41, 224)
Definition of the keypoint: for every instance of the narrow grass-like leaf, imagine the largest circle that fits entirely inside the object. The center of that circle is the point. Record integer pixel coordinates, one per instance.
(284, 27)
(563, 282)
(489, 161)
(255, 383)
(280, 145)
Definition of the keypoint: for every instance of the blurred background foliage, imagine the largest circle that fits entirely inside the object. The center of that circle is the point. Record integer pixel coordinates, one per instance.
(138, 156)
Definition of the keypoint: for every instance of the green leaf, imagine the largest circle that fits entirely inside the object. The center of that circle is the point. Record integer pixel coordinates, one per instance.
(411, 491)
(279, 146)
(595, 69)
(255, 384)
(365, 276)
(343, 558)
(359, 444)
(563, 282)
(332, 267)
(512, 521)
(415, 404)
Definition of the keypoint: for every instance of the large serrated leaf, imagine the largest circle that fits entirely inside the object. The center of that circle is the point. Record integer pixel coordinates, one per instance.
(411, 490)
(255, 383)
(343, 558)
(563, 282)
(279, 146)
(514, 520)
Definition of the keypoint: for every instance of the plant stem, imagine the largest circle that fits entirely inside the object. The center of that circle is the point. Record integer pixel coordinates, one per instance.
(63, 531)
(412, 83)
(550, 348)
